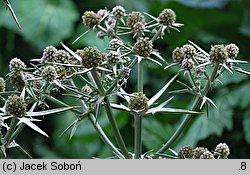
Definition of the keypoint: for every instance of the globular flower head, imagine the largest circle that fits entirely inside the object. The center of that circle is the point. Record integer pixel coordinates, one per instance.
(91, 57)
(61, 56)
(188, 51)
(187, 64)
(167, 17)
(90, 19)
(177, 55)
(207, 155)
(16, 64)
(2, 85)
(113, 57)
(197, 152)
(86, 90)
(138, 27)
(218, 54)
(115, 43)
(118, 11)
(186, 152)
(232, 51)
(223, 150)
(48, 54)
(49, 73)
(17, 81)
(61, 72)
(138, 101)
(15, 106)
(143, 47)
(134, 18)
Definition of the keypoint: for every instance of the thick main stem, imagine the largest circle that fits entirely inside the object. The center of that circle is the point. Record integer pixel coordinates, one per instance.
(111, 118)
(188, 116)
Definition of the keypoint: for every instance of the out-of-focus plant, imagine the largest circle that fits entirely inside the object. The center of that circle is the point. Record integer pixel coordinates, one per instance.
(104, 75)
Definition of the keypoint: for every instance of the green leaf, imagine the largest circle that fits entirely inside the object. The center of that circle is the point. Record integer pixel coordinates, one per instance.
(50, 111)
(44, 22)
(246, 124)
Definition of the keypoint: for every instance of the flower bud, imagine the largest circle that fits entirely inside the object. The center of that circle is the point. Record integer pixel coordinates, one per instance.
(48, 54)
(167, 17)
(197, 152)
(218, 54)
(61, 72)
(113, 57)
(186, 152)
(16, 65)
(134, 18)
(2, 85)
(17, 81)
(143, 47)
(177, 55)
(188, 51)
(91, 57)
(61, 56)
(15, 106)
(90, 19)
(207, 155)
(138, 27)
(232, 51)
(114, 44)
(118, 11)
(138, 101)
(187, 64)
(223, 150)
(49, 73)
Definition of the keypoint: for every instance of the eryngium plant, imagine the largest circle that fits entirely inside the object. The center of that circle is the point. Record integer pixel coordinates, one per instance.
(105, 74)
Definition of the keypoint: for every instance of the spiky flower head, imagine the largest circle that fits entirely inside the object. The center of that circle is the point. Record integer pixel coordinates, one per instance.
(198, 151)
(207, 155)
(61, 56)
(86, 89)
(61, 72)
(138, 101)
(186, 152)
(91, 57)
(177, 55)
(16, 64)
(118, 11)
(115, 43)
(188, 51)
(48, 54)
(90, 19)
(167, 17)
(223, 150)
(17, 81)
(134, 18)
(143, 47)
(218, 54)
(15, 106)
(113, 57)
(187, 64)
(49, 73)
(2, 85)
(232, 51)
(138, 27)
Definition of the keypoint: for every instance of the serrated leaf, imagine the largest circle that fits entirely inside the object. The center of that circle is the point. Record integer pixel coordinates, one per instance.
(157, 95)
(50, 111)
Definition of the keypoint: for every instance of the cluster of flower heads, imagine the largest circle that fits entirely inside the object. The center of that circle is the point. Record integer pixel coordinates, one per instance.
(221, 151)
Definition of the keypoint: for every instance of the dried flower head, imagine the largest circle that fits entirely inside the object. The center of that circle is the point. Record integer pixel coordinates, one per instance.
(90, 19)
(17, 81)
(223, 150)
(143, 47)
(86, 89)
(188, 51)
(186, 152)
(232, 51)
(115, 43)
(113, 57)
(16, 64)
(2, 85)
(138, 101)
(118, 11)
(48, 54)
(49, 73)
(218, 54)
(197, 152)
(207, 155)
(15, 106)
(134, 18)
(187, 64)
(167, 17)
(61, 56)
(91, 57)
(177, 55)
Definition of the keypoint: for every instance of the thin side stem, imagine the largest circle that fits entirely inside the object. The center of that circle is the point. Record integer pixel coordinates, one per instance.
(188, 116)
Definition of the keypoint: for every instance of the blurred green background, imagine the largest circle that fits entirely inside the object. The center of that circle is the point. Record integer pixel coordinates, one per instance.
(207, 22)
